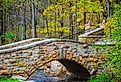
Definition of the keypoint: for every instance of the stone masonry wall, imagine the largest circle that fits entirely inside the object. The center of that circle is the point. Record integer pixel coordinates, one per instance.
(24, 60)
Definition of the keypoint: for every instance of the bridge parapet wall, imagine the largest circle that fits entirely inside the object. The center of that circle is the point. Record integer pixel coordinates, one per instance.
(20, 43)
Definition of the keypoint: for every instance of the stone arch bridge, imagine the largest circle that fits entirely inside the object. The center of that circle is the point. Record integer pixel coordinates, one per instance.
(24, 57)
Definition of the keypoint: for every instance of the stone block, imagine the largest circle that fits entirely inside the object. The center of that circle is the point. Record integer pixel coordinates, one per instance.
(7, 56)
(4, 72)
(1, 62)
(69, 56)
(20, 69)
(10, 67)
(92, 71)
(85, 55)
(80, 58)
(5, 66)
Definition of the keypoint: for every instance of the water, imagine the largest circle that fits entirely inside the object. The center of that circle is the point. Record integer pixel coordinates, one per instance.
(40, 76)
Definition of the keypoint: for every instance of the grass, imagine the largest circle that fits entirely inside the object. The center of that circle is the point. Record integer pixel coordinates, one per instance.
(7, 79)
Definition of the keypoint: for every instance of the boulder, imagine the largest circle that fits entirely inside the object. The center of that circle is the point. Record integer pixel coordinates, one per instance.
(18, 77)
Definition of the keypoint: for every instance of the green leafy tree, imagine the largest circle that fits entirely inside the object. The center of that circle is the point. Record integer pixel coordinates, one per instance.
(114, 60)
(10, 37)
(112, 66)
(73, 14)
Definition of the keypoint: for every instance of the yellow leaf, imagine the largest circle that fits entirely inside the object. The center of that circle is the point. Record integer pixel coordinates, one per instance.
(79, 19)
(45, 13)
(73, 8)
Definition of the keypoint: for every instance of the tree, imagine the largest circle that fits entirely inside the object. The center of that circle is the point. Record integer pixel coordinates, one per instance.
(33, 20)
(108, 8)
(68, 10)
(24, 22)
(112, 66)
(50, 18)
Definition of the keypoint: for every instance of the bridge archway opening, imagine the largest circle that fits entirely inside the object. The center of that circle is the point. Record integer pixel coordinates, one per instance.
(78, 72)
(75, 68)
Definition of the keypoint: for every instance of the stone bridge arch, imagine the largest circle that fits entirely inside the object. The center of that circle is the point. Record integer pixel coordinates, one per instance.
(76, 68)
(24, 60)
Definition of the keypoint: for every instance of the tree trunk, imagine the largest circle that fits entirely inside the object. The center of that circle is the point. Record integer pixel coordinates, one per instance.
(62, 33)
(84, 20)
(3, 29)
(118, 1)
(55, 22)
(108, 8)
(35, 24)
(1, 22)
(24, 26)
(33, 20)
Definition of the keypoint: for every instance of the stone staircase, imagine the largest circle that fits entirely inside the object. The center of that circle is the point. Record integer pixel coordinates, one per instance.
(92, 35)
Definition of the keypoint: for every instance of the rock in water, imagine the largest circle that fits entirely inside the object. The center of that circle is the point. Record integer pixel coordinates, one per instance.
(18, 77)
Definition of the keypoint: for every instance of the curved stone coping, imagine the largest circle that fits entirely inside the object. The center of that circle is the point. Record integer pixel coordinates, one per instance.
(37, 43)
(88, 33)
(105, 43)
(17, 43)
